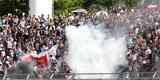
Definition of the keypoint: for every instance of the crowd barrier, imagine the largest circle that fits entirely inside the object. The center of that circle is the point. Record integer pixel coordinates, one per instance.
(90, 76)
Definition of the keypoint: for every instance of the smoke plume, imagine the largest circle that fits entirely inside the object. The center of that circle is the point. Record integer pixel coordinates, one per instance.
(92, 49)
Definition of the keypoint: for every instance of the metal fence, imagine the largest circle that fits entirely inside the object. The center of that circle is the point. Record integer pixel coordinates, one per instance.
(89, 76)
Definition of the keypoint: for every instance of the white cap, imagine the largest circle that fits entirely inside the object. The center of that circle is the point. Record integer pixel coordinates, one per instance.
(121, 11)
(118, 14)
(7, 62)
(156, 23)
(28, 26)
(144, 62)
(15, 43)
(132, 10)
(23, 14)
(8, 57)
(9, 14)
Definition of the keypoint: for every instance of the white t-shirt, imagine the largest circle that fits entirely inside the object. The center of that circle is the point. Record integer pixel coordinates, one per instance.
(148, 51)
(3, 53)
(16, 20)
(23, 23)
(52, 51)
(9, 44)
(136, 30)
(135, 57)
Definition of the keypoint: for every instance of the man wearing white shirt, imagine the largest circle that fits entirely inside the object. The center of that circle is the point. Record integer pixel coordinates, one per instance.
(9, 44)
(23, 22)
(52, 51)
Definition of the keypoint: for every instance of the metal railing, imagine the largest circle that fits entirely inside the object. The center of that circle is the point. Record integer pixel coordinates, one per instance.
(92, 76)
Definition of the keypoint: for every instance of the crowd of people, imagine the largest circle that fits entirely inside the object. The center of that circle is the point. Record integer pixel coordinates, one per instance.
(31, 35)
(144, 42)
(34, 35)
(142, 29)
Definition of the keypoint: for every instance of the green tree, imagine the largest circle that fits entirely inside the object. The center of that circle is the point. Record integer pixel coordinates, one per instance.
(106, 3)
(14, 6)
(61, 6)
(88, 3)
(131, 3)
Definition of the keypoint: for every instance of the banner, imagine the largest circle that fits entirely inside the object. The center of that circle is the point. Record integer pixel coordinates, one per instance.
(41, 61)
(27, 58)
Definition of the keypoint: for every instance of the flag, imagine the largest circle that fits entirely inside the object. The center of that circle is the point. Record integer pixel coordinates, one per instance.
(27, 58)
(42, 61)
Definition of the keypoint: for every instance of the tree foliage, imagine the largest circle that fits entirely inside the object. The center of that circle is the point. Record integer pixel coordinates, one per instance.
(63, 5)
(13, 6)
(131, 3)
(106, 3)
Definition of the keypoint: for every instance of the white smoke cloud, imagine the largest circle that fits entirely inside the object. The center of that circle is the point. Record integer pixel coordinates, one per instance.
(91, 50)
